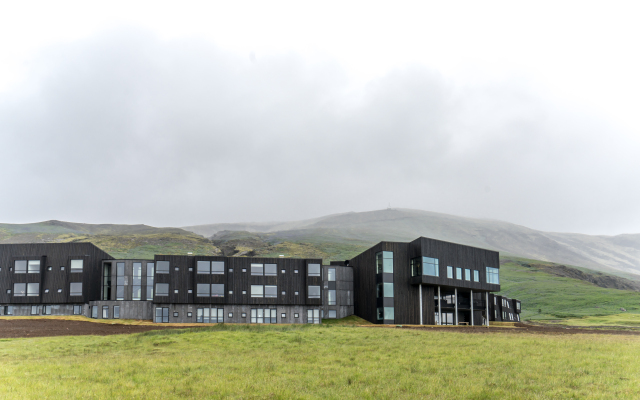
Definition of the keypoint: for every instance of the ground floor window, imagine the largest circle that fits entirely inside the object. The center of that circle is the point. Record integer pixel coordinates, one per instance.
(313, 316)
(34, 310)
(447, 318)
(46, 310)
(332, 314)
(162, 314)
(263, 316)
(77, 310)
(116, 311)
(210, 315)
(8, 310)
(105, 312)
(94, 311)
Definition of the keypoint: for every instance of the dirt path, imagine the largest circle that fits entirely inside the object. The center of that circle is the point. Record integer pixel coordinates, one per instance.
(19, 328)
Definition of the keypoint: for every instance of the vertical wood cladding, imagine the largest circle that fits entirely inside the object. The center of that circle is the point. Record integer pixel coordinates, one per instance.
(238, 282)
(55, 272)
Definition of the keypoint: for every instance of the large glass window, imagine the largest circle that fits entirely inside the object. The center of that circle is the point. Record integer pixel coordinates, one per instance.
(20, 266)
(257, 269)
(450, 272)
(458, 273)
(270, 270)
(202, 290)
(493, 275)
(34, 310)
(150, 274)
(263, 316)
(384, 262)
(162, 289)
(116, 312)
(331, 274)
(19, 289)
(75, 289)
(210, 315)
(476, 275)
(137, 282)
(314, 292)
(76, 265)
(430, 266)
(331, 297)
(386, 313)
(162, 267)
(388, 289)
(217, 267)
(313, 269)
(313, 316)
(77, 310)
(94, 311)
(162, 313)
(120, 281)
(416, 267)
(332, 314)
(270, 291)
(106, 282)
(105, 312)
(217, 290)
(33, 289)
(8, 310)
(257, 291)
(467, 274)
(33, 266)
(203, 267)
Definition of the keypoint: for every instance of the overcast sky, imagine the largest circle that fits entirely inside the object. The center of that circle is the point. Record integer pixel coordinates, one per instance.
(135, 112)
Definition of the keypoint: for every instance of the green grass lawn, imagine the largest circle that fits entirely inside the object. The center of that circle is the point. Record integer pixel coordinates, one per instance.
(282, 362)
(616, 320)
(558, 297)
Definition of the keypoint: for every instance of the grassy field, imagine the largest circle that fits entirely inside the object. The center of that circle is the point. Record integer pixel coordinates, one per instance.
(626, 320)
(282, 362)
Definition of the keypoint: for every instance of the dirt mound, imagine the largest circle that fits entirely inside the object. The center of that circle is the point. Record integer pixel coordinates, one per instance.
(20, 328)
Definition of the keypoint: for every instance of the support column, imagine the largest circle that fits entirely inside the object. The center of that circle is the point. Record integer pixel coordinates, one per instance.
(456, 300)
(439, 307)
(487, 308)
(472, 308)
(420, 291)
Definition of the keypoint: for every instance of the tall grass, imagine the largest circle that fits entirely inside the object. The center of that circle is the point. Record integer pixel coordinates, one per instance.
(282, 362)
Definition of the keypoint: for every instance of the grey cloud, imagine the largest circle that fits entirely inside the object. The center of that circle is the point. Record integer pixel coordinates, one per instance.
(124, 127)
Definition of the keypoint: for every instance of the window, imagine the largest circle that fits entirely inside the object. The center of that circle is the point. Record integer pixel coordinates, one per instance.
(162, 289)
(217, 290)
(458, 273)
(77, 310)
(467, 274)
(270, 270)
(33, 266)
(75, 289)
(257, 291)
(120, 281)
(331, 297)
(105, 312)
(331, 274)
(46, 310)
(295, 271)
(8, 310)
(212, 315)
(189, 291)
(94, 311)
(8, 291)
(162, 313)
(137, 282)
(295, 293)
(450, 272)
(217, 267)
(230, 315)
(332, 314)
(49, 268)
(106, 282)
(175, 314)
(20, 266)
(150, 273)
(189, 314)
(263, 316)
(162, 267)
(59, 290)
(314, 292)
(203, 290)
(493, 275)
(430, 266)
(296, 315)
(61, 268)
(384, 289)
(476, 275)
(313, 316)
(175, 291)
(116, 312)
(270, 291)
(281, 271)
(257, 269)
(34, 310)
(203, 267)
(244, 270)
(33, 289)
(313, 269)
(76, 265)
(46, 290)
(416, 267)
(190, 269)
(244, 292)
(384, 262)
(386, 313)
(283, 315)
(244, 315)
(518, 305)
(19, 289)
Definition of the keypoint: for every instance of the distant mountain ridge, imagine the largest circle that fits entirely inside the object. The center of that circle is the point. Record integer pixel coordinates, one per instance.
(619, 253)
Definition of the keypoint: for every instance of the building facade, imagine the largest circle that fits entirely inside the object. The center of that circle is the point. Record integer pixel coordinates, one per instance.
(423, 282)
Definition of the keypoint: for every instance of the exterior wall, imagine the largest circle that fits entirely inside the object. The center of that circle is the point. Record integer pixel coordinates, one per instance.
(343, 285)
(55, 272)
(236, 312)
(59, 309)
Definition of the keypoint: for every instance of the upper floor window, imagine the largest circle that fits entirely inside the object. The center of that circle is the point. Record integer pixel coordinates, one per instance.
(313, 269)
(257, 291)
(75, 289)
(162, 289)
(430, 266)
(20, 266)
(476, 275)
(493, 275)
(384, 262)
(467, 274)
(314, 292)
(270, 270)
(210, 267)
(76, 265)
(203, 267)
(385, 289)
(257, 269)
(162, 267)
(217, 267)
(458, 273)
(331, 274)
(450, 272)
(26, 289)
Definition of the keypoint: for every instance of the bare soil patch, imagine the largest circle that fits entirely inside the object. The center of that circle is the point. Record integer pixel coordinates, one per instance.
(20, 328)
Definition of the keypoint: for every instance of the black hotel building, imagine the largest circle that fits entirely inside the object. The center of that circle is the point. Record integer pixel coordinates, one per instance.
(426, 281)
